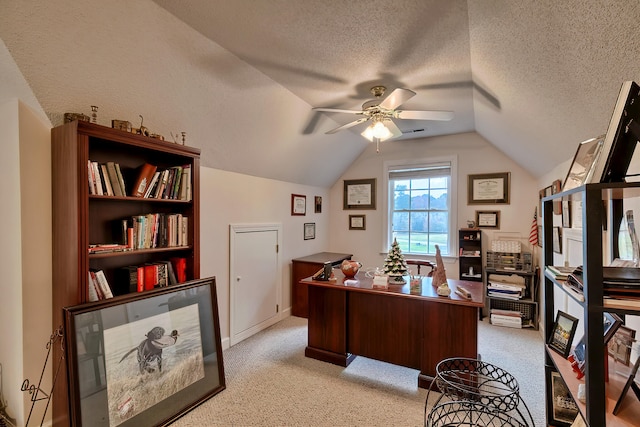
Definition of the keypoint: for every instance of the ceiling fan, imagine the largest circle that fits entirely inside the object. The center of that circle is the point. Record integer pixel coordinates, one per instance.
(380, 112)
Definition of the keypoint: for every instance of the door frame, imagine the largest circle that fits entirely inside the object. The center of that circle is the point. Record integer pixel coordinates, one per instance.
(248, 228)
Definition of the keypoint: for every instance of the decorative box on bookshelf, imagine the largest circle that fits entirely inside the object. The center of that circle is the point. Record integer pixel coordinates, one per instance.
(97, 191)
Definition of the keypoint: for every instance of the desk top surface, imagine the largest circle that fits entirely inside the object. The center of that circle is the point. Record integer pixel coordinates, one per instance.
(362, 283)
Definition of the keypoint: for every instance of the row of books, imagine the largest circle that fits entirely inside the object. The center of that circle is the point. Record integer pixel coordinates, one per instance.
(173, 183)
(157, 230)
(99, 288)
(106, 179)
(139, 278)
(508, 287)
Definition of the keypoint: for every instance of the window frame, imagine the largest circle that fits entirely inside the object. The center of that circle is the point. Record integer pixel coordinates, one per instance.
(391, 165)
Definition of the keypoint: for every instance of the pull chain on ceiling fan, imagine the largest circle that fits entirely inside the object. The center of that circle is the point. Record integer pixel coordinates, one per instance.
(381, 113)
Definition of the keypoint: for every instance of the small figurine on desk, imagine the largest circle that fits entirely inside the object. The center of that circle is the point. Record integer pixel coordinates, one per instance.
(439, 275)
(444, 290)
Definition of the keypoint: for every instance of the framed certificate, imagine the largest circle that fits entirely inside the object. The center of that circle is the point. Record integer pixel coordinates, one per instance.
(357, 222)
(488, 219)
(298, 204)
(488, 188)
(360, 194)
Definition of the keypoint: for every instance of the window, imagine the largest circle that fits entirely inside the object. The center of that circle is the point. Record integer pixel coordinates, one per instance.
(420, 204)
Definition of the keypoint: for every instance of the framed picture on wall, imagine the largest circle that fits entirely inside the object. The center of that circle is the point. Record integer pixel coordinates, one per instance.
(488, 219)
(298, 204)
(359, 194)
(309, 230)
(488, 188)
(357, 222)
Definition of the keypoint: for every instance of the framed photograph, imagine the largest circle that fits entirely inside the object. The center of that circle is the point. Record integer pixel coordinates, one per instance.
(557, 240)
(309, 230)
(562, 333)
(629, 384)
(563, 409)
(359, 194)
(582, 166)
(144, 358)
(357, 222)
(318, 204)
(556, 187)
(620, 344)
(566, 214)
(488, 188)
(298, 204)
(540, 235)
(488, 219)
(611, 323)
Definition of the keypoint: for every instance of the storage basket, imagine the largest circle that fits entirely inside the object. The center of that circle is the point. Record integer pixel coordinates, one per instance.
(509, 261)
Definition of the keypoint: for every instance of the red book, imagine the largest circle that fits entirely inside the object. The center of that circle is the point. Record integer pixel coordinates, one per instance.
(150, 276)
(145, 174)
(140, 279)
(180, 269)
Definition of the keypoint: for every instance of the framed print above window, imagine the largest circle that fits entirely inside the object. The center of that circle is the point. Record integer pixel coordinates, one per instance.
(488, 219)
(357, 222)
(309, 230)
(359, 194)
(298, 204)
(489, 188)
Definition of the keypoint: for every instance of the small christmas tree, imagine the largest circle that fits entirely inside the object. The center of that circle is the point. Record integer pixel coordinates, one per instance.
(394, 264)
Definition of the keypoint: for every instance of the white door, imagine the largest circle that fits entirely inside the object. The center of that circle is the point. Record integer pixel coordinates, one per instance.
(255, 276)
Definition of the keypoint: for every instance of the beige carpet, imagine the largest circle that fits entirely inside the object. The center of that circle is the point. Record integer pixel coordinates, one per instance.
(271, 383)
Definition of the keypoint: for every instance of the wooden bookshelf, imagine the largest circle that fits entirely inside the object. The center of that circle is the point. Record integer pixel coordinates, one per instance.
(81, 218)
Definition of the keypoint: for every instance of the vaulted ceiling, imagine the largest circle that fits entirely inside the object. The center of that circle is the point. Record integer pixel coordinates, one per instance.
(533, 77)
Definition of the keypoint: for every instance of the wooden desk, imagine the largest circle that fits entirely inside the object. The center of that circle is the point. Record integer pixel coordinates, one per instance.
(305, 267)
(350, 317)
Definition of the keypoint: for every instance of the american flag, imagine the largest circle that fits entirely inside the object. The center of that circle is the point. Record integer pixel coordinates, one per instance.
(533, 234)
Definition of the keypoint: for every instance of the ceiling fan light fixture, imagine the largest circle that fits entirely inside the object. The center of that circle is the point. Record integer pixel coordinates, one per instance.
(378, 131)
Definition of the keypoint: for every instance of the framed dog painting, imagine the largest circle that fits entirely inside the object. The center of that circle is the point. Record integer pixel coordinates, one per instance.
(145, 358)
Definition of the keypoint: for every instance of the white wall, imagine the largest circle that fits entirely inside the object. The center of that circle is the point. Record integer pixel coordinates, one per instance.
(11, 260)
(228, 197)
(475, 155)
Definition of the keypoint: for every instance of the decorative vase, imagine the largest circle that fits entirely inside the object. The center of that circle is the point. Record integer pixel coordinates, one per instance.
(350, 268)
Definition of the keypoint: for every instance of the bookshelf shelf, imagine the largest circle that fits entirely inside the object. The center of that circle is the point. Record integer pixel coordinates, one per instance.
(470, 254)
(601, 393)
(81, 218)
(137, 252)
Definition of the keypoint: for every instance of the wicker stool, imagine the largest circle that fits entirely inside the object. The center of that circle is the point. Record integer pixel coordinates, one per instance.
(470, 382)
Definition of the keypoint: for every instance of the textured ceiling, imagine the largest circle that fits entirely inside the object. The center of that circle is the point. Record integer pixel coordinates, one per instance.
(534, 77)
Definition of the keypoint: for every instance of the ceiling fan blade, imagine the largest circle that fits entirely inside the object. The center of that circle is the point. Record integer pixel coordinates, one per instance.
(423, 115)
(395, 131)
(336, 110)
(348, 125)
(396, 98)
